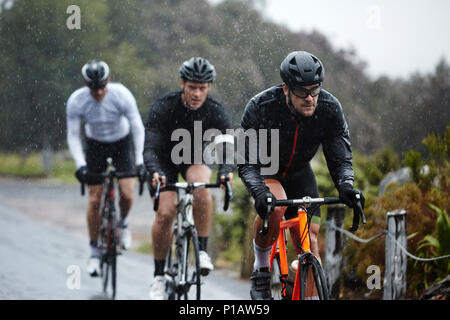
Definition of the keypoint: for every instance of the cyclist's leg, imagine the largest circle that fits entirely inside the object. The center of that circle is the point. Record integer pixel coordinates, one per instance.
(162, 226)
(161, 237)
(203, 205)
(94, 219)
(123, 160)
(96, 163)
(203, 210)
(260, 278)
(275, 217)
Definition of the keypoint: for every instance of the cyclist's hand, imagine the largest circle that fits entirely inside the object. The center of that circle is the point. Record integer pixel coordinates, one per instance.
(348, 196)
(141, 172)
(81, 174)
(222, 176)
(261, 203)
(158, 177)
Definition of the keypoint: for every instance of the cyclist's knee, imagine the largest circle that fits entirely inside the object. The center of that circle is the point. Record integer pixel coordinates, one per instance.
(166, 214)
(198, 173)
(95, 199)
(127, 197)
(203, 195)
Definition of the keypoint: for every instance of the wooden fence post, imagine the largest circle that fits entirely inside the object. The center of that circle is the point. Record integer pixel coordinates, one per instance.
(334, 245)
(395, 261)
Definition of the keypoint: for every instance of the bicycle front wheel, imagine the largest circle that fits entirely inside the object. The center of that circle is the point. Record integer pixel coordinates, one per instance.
(190, 267)
(109, 262)
(312, 279)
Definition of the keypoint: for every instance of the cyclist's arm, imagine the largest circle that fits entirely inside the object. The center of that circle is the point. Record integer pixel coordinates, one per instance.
(155, 141)
(224, 142)
(136, 125)
(337, 150)
(250, 172)
(73, 135)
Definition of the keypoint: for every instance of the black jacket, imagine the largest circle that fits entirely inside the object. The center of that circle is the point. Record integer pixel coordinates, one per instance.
(327, 127)
(167, 114)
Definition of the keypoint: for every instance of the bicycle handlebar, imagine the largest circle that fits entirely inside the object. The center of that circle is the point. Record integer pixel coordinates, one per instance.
(196, 185)
(114, 174)
(358, 212)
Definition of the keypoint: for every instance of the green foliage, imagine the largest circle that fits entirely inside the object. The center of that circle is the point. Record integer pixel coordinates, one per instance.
(426, 201)
(232, 229)
(413, 160)
(30, 166)
(430, 247)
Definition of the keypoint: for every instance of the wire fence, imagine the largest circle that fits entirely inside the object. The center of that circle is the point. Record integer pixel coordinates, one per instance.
(383, 233)
(396, 254)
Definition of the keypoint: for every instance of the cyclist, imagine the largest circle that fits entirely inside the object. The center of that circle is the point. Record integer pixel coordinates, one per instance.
(109, 112)
(179, 110)
(306, 116)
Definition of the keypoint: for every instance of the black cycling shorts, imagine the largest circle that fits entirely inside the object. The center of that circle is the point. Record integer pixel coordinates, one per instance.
(298, 185)
(121, 152)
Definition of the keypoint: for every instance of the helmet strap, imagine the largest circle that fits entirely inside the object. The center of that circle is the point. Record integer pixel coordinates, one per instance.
(294, 112)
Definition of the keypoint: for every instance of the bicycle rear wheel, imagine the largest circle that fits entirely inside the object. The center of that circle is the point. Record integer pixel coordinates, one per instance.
(312, 279)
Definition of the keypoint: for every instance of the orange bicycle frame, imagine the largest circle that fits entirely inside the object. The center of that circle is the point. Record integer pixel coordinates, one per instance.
(279, 247)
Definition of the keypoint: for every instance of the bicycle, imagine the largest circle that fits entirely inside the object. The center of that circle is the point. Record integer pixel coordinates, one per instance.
(309, 277)
(184, 249)
(108, 243)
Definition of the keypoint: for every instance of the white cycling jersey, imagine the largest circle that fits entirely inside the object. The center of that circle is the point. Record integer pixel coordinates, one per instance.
(109, 120)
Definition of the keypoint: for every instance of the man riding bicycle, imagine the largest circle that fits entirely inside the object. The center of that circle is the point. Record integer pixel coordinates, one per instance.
(110, 114)
(184, 109)
(306, 116)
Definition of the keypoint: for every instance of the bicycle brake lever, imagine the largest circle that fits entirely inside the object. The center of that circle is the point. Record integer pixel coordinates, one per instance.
(156, 202)
(358, 213)
(228, 195)
(265, 227)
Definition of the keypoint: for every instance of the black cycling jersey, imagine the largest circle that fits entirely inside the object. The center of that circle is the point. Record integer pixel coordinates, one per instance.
(299, 137)
(169, 113)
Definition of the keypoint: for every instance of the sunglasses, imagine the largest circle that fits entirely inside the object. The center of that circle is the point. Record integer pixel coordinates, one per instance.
(303, 93)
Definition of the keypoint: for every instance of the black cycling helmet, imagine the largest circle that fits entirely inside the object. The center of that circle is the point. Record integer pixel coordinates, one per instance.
(95, 73)
(198, 69)
(301, 68)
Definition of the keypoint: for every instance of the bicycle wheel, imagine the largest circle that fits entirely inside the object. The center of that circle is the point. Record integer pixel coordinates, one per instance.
(109, 261)
(194, 264)
(275, 279)
(312, 279)
(188, 267)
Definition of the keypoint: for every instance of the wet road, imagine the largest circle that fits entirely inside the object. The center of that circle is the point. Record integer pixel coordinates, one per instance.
(44, 248)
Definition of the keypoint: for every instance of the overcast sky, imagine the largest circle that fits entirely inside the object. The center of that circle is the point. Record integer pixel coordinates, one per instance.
(395, 37)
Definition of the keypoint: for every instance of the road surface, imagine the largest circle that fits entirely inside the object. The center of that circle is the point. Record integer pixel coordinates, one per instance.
(44, 248)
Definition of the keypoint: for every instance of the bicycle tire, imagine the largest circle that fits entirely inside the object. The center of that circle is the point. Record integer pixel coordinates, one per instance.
(318, 277)
(276, 285)
(195, 275)
(188, 271)
(109, 261)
